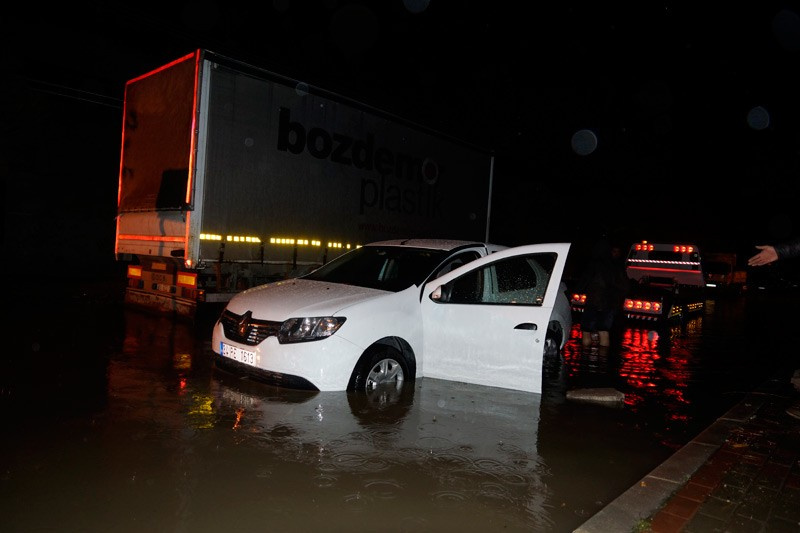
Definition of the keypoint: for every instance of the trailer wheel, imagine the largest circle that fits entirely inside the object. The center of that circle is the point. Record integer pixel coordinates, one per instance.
(381, 369)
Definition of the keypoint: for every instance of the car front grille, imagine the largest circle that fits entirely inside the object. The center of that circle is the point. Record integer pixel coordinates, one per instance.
(246, 329)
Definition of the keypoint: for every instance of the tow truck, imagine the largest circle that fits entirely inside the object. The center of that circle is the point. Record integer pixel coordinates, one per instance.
(667, 283)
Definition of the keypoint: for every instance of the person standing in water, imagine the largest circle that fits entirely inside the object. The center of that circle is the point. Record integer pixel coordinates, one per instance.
(605, 285)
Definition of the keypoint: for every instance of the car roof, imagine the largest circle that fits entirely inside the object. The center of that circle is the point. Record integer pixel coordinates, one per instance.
(437, 244)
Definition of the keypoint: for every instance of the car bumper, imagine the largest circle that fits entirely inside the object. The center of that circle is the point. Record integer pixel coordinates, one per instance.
(304, 365)
(270, 378)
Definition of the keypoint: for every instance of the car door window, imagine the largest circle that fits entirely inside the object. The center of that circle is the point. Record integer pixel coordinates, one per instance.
(455, 262)
(467, 289)
(518, 280)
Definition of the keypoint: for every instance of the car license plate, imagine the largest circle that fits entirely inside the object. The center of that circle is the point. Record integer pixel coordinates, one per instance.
(237, 354)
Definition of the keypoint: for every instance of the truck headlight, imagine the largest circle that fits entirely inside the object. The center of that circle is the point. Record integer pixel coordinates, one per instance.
(308, 328)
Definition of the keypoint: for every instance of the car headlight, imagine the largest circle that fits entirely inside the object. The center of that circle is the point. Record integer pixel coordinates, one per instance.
(309, 328)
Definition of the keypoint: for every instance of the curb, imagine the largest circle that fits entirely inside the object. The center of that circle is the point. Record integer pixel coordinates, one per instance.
(646, 497)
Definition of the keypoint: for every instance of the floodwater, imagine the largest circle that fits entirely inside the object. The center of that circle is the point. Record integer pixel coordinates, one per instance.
(115, 420)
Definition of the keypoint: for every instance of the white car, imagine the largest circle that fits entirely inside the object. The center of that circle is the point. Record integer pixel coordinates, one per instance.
(392, 311)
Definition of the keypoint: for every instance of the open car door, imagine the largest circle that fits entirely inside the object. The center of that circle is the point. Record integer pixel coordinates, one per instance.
(486, 322)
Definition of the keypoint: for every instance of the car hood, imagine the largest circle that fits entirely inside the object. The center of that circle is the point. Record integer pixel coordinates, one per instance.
(299, 297)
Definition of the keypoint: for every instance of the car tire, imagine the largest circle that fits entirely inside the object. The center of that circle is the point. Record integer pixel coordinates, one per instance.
(552, 341)
(381, 367)
(386, 404)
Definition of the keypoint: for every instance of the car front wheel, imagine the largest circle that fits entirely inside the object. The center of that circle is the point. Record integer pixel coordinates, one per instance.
(381, 367)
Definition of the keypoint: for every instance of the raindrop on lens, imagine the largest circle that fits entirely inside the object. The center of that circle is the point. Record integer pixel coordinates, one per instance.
(758, 118)
(301, 89)
(584, 142)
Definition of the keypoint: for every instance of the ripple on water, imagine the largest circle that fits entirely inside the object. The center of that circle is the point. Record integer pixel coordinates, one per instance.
(347, 459)
(386, 489)
(448, 496)
(325, 480)
(499, 470)
(354, 499)
(513, 450)
(434, 443)
(358, 462)
(451, 460)
(497, 492)
(405, 455)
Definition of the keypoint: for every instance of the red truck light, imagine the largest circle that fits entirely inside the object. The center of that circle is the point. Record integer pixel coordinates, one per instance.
(642, 305)
(134, 272)
(188, 280)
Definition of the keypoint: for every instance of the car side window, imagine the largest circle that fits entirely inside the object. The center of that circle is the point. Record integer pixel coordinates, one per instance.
(455, 262)
(467, 289)
(519, 280)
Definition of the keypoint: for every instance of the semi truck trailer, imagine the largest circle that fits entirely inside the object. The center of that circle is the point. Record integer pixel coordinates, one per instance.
(232, 176)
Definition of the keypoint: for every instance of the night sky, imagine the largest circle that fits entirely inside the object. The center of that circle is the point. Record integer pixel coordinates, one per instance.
(695, 110)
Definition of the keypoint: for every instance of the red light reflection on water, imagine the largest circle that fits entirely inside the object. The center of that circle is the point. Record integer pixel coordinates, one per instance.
(652, 366)
(657, 365)
(638, 358)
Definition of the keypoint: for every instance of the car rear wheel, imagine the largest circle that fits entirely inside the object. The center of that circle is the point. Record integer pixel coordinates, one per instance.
(552, 342)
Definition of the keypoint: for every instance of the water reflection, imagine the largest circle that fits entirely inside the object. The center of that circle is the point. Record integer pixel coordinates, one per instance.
(179, 445)
(138, 431)
(666, 371)
(463, 454)
(653, 366)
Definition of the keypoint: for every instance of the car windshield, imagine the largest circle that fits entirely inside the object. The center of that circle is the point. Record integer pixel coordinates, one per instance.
(388, 268)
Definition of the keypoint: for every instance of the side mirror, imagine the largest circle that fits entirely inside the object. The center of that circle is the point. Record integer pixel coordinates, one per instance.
(436, 295)
(441, 294)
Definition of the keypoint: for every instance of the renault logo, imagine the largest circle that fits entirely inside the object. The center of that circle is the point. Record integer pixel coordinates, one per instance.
(243, 324)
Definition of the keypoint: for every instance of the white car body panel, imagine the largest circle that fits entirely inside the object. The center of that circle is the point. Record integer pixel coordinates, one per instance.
(300, 297)
(377, 314)
(490, 344)
(470, 343)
